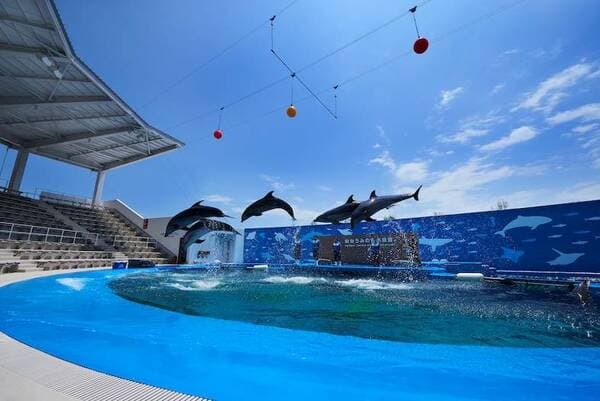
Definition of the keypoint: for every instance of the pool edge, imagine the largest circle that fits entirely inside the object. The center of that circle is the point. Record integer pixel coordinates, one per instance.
(29, 374)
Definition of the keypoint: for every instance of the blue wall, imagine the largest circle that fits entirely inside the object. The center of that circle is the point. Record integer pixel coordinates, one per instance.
(564, 237)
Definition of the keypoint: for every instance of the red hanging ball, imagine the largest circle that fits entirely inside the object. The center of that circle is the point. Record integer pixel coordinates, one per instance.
(218, 134)
(421, 45)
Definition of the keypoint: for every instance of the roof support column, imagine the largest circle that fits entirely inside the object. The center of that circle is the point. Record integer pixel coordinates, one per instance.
(98, 187)
(18, 170)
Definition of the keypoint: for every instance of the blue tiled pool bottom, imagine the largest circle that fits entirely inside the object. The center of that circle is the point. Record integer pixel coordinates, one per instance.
(78, 317)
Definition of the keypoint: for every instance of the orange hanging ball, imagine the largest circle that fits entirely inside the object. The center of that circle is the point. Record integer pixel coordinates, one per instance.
(218, 134)
(421, 45)
(291, 111)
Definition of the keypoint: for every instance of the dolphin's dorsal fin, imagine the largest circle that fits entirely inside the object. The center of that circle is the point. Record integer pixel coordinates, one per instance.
(269, 194)
(373, 195)
(350, 199)
(198, 203)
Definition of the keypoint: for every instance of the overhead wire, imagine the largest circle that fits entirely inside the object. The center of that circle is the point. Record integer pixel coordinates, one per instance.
(215, 57)
(439, 38)
(303, 68)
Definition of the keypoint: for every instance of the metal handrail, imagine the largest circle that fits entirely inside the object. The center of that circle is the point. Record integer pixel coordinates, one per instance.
(31, 231)
(47, 197)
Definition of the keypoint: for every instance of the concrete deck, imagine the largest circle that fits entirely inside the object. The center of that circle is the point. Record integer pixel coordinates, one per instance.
(27, 374)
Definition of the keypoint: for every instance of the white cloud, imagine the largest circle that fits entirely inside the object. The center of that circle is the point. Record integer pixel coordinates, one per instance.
(447, 96)
(518, 135)
(579, 192)
(276, 183)
(376, 146)
(385, 160)
(473, 127)
(404, 172)
(497, 88)
(382, 134)
(510, 52)
(584, 129)
(464, 135)
(585, 113)
(549, 92)
(216, 198)
(411, 172)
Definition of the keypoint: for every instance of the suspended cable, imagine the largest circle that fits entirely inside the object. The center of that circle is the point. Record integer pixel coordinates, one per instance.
(294, 74)
(304, 68)
(445, 35)
(359, 38)
(215, 57)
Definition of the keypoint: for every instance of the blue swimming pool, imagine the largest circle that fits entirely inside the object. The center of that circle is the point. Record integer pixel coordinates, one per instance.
(231, 335)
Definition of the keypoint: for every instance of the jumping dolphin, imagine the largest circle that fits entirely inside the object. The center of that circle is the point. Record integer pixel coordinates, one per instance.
(375, 203)
(198, 230)
(338, 213)
(201, 228)
(189, 216)
(266, 203)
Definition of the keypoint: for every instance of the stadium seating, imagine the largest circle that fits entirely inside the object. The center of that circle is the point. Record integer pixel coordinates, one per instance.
(31, 237)
(114, 230)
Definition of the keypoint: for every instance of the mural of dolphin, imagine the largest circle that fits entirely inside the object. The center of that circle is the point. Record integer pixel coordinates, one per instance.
(338, 213)
(524, 221)
(197, 231)
(564, 258)
(266, 203)
(375, 203)
(186, 218)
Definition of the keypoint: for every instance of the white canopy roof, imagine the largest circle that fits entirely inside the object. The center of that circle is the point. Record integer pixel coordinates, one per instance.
(53, 105)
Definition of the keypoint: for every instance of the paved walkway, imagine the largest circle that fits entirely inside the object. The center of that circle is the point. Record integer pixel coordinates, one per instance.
(27, 374)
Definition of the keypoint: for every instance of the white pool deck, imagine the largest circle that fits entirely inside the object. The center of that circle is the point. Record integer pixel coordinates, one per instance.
(27, 374)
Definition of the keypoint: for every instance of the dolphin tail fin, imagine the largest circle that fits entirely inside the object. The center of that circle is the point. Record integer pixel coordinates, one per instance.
(373, 195)
(501, 233)
(416, 194)
(350, 199)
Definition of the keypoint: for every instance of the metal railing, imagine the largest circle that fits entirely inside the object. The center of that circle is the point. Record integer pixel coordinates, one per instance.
(64, 199)
(27, 232)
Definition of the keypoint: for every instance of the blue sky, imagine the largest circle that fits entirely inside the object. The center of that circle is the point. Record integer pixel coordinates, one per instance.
(507, 108)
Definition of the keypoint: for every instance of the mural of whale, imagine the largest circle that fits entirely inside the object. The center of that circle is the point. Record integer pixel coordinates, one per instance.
(532, 222)
(266, 203)
(434, 242)
(339, 213)
(187, 217)
(564, 258)
(375, 203)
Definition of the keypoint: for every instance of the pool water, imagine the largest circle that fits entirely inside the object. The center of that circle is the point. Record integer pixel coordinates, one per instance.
(256, 335)
(437, 312)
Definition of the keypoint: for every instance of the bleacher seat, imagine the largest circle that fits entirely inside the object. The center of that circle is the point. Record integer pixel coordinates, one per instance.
(31, 237)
